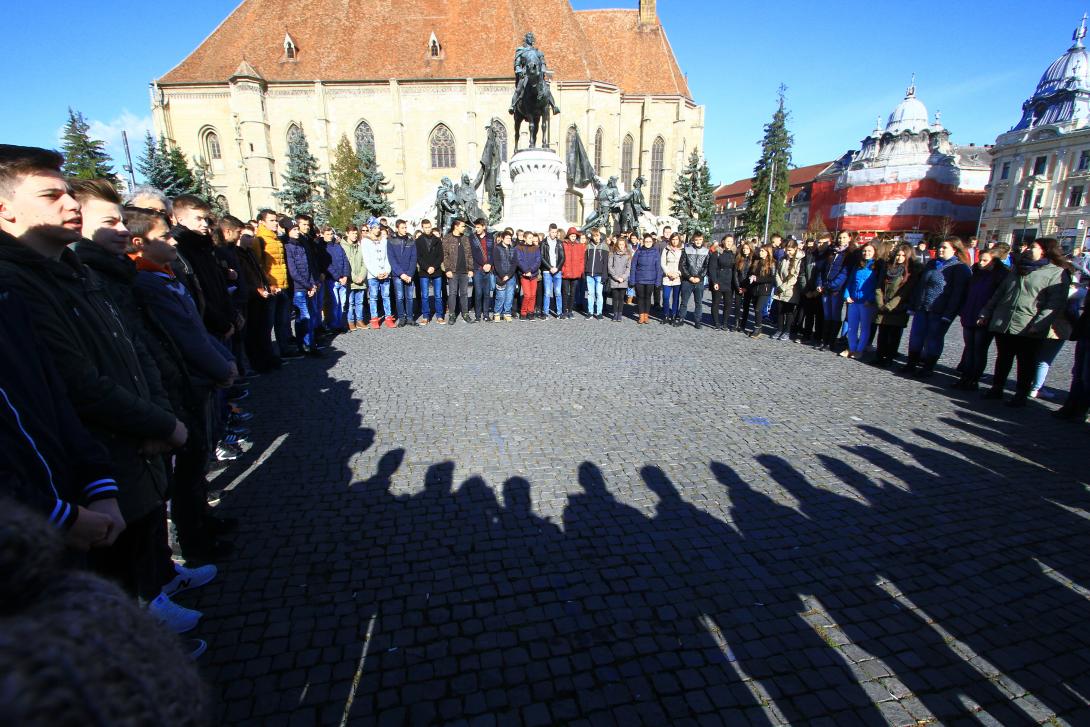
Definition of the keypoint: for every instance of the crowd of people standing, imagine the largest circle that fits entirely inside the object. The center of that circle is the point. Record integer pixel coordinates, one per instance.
(130, 329)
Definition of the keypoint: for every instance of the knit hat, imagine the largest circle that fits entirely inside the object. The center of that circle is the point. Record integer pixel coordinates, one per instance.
(75, 649)
(287, 223)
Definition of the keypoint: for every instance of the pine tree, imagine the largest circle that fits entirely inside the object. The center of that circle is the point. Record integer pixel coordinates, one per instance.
(153, 166)
(302, 191)
(693, 200)
(371, 194)
(84, 157)
(344, 175)
(775, 147)
(185, 182)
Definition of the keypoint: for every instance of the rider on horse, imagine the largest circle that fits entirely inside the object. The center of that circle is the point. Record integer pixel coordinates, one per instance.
(520, 73)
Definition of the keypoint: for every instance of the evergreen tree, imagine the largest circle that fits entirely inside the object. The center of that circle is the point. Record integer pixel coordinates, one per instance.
(303, 190)
(371, 194)
(185, 182)
(693, 200)
(775, 151)
(154, 166)
(84, 157)
(344, 175)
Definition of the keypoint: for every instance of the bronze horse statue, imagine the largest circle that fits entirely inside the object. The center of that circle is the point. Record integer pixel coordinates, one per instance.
(534, 104)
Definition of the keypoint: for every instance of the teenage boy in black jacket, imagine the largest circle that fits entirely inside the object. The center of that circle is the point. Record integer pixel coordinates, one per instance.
(48, 461)
(118, 397)
(429, 261)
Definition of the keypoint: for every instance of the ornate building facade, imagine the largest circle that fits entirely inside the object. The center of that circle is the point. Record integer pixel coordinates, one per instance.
(417, 82)
(731, 201)
(907, 177)
(1040, 180)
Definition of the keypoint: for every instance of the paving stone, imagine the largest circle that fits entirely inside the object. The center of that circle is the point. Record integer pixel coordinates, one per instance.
(557, 521)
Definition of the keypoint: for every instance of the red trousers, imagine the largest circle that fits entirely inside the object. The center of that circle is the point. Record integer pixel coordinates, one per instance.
(529, 295)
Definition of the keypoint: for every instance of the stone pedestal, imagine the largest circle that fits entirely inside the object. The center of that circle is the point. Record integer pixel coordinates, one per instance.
(535, 196)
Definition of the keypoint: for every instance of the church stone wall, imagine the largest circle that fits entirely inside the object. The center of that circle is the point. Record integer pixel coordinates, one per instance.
(252, 122)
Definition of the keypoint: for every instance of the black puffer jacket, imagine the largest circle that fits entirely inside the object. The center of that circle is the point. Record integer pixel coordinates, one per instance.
(203, 275)
(48, 461)
(721, 269)
(118, 397)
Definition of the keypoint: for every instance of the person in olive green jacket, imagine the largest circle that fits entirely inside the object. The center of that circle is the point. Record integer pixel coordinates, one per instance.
(897, 279)
(1021, 312)
(357, 278)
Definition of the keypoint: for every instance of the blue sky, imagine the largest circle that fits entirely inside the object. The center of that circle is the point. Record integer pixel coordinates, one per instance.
(844, 64)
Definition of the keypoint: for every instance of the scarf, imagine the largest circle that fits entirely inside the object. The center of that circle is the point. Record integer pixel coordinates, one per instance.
(1027, 264)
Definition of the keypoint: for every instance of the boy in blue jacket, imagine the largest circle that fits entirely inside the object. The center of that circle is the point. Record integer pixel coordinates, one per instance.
(401, 249)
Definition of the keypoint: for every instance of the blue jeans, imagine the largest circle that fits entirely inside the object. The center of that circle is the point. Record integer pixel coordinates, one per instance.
(595, 299)
(927, 335)
(551, 283)
(484, 284)
(505, 297)
(831, 306)
(338, 296)
(670, 297)
(355, 305)
(1050, 348)
(404, 292)
(306, 307)
(374, 288)
(860, 317)
(431, 288)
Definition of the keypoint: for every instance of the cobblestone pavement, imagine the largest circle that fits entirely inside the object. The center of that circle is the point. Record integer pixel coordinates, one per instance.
(592, 523)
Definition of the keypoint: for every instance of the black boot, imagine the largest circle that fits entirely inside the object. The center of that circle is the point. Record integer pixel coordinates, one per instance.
(927, 370)
(911, 364)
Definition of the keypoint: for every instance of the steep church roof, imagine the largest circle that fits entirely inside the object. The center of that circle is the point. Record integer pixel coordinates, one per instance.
(356, 40)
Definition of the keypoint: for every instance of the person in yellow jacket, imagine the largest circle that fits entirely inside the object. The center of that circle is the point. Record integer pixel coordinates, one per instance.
(276, 270)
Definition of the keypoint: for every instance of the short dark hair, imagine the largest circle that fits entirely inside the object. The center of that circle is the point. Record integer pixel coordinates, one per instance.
(230, 222)
(190, 202)
(20, 161)
(265, 213)
(552, 226)
(140, 220)
(480, 221)
(399, 222)
(102, 189)
(352, 227)
(327, 228)
(299, 217)
(699, 234)
(425, 221)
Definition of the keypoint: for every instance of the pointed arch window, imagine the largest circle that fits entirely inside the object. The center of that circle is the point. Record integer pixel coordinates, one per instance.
(443, 154)
(211, 145)
(295, 134)
(365, 139)
(598, 137)
(658, 154)
(573, 204)
(290, 51)
(626, 161)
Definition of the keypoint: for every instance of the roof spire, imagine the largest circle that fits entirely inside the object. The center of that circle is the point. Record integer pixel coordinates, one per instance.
(1080, 32)
(912, 87)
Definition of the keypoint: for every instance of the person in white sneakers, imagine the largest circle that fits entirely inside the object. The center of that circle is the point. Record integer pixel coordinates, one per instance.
(377, 260)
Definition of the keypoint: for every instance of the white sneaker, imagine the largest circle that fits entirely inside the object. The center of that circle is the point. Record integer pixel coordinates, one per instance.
(189, 578)
(174, 617)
